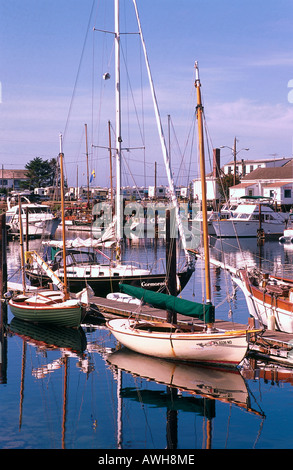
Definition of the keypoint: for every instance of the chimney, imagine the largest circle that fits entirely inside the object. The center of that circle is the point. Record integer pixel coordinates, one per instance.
(216, 163)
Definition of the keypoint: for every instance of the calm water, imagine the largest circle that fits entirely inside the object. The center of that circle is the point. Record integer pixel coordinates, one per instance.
(71, 390)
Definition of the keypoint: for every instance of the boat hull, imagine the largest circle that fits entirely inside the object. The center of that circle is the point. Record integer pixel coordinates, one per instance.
(229, 228)
(221, 348)
(67, 314)
(46, 227)
(102, 286)
(272, 310)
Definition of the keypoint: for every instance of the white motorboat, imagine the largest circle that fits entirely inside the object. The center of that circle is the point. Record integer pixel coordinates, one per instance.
(37, 219)
(250, 219)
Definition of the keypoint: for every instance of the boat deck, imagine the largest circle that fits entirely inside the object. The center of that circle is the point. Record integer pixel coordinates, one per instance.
(271, 345)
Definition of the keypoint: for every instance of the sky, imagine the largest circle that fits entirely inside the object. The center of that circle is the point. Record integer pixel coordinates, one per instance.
(54, 55)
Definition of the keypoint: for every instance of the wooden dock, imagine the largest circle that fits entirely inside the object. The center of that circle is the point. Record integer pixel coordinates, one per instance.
(271, 345)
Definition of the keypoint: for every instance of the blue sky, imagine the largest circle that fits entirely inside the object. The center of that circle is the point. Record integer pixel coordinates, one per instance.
(52, 65)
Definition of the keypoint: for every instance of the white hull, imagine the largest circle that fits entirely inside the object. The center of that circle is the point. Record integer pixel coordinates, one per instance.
(38, 227)
(270, 313)
(221, 384)
(220, 347)
(287, 236)
(246, 228)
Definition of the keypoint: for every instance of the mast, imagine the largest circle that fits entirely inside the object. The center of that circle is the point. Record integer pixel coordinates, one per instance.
(119, 234)
(61, 155)
(110, 156)
(162, 140)
(21, 244)
(199, 111)
(87, 167)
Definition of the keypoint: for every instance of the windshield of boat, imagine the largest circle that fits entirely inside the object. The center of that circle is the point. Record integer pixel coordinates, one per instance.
(76, 257)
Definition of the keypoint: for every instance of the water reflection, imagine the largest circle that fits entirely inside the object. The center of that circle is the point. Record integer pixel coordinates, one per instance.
(204, 386)
(73, 389)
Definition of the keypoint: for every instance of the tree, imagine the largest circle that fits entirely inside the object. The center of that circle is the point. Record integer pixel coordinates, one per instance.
(224, 183)
(40, 173)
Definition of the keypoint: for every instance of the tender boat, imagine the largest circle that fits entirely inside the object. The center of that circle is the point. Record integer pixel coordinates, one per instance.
(47, 306)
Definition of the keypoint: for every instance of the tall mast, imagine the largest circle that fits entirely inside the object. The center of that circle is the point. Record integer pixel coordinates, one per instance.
(21, 243)
(199, 111)
(119, 227)
(61, 155)
(162, 140)
(87, 166)
(110, 157)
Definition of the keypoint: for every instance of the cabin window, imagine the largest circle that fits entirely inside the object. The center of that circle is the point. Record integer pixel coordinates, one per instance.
(287, 193)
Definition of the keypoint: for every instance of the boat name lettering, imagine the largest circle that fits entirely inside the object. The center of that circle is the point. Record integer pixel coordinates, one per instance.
(152, 284)
(216, 343)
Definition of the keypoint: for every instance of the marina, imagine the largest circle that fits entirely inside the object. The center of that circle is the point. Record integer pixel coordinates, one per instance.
(104, 380)
(152, 315)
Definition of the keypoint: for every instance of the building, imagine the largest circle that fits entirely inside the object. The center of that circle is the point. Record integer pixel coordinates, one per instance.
(245, 167)
(11, 179)
(273, 182)
(212, 189)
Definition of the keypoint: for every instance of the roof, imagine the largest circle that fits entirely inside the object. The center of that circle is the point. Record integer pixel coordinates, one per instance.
(13, 174)
(243, 185)
(261, 160)
(276, 185)
(284, 172)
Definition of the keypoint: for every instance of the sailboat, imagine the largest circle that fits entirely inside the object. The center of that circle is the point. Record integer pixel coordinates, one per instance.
(104, 278)
(201, 343)
(55, 307)
(269, 298)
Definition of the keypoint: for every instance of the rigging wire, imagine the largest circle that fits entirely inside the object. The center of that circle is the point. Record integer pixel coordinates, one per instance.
(79, 69)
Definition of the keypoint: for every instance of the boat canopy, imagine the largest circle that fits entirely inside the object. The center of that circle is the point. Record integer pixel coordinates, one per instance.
(256, 198)
(205, 312)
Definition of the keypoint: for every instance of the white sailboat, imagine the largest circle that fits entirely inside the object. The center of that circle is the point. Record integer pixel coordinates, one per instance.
(200, 343)
(269, 298)
(104, 278)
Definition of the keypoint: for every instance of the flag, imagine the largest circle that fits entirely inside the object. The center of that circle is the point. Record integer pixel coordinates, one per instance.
(93, 175)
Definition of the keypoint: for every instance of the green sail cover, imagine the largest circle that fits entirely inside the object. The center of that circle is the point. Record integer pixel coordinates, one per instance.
(171, 303)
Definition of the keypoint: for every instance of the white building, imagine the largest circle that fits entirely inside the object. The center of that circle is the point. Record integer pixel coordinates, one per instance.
(273, 182)
(244, 167)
